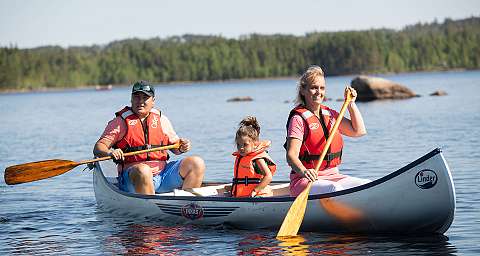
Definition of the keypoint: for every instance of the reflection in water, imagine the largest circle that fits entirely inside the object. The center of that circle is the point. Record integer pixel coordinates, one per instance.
(344, 244)
(256, 245)
(293, 245)
(143, 239)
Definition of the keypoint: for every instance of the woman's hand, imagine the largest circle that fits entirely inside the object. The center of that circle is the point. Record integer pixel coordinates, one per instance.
(310, 174)
(352, 91)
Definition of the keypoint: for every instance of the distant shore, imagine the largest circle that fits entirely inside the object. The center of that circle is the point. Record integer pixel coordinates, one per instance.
(113, 86)
(94, 87)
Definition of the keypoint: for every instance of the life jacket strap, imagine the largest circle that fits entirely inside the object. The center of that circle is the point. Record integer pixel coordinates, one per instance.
(143, 147)
(328, 157)
(245, 181)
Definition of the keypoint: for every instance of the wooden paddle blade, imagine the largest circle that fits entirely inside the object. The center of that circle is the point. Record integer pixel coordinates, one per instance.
(28, 172)
(293, 220)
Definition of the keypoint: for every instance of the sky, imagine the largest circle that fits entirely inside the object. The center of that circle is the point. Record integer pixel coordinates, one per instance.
(33, 23)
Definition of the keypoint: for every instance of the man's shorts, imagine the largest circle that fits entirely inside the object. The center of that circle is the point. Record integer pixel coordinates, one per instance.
(166, 181)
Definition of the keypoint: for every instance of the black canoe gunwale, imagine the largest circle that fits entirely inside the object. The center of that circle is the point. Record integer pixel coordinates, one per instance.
(376, 182)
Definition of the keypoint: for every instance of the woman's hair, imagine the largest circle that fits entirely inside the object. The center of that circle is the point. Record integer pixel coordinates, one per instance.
(248, 127)
(309, 77)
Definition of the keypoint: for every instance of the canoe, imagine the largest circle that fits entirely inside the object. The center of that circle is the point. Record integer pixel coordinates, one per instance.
(418, 198)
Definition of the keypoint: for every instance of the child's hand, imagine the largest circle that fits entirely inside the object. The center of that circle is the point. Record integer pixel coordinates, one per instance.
(256, 194)
(228, 190)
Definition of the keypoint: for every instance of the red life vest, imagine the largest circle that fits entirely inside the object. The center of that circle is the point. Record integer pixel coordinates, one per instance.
(314, 138)
(247, 173)
(140, 138)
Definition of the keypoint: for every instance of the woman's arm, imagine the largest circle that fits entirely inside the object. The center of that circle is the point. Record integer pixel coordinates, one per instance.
(293, 150)
(353, 127)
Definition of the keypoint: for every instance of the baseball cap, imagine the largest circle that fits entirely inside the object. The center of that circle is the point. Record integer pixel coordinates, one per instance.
(143, 86)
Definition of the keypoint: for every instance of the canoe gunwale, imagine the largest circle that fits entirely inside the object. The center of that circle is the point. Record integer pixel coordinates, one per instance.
(376, 182)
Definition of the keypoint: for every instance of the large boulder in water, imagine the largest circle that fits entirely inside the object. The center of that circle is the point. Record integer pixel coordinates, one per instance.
(375, 88)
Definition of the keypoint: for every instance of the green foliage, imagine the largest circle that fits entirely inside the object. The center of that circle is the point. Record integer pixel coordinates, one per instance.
(421, 47)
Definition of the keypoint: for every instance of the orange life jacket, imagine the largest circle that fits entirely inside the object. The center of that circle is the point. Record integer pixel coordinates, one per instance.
(139, 137)
(317, 131)
(247, 173)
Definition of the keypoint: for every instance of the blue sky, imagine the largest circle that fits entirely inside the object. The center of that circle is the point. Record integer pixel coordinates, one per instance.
(32, 23)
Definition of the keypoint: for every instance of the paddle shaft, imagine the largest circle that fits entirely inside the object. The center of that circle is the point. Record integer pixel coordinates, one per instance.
(173, 146)
(34, 171)
(333, 130)
(293, 219)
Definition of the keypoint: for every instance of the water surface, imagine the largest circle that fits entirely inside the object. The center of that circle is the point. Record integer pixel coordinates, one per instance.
(60, 216)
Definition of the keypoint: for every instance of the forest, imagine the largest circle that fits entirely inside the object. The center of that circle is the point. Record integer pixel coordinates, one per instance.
(447, 45)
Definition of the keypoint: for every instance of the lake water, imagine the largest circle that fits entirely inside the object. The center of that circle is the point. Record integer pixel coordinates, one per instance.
(60, 216)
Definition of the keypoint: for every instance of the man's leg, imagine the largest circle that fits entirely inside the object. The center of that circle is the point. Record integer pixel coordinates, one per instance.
(141, 177)
(192, 170)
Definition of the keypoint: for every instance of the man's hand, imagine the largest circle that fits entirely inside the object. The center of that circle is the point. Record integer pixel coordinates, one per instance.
(117, 155)
(185, 145)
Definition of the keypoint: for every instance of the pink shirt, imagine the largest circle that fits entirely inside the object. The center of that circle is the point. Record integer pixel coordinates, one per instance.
(117, 129)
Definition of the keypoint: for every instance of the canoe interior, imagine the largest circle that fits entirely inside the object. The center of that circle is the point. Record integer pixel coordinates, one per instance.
(208, 189)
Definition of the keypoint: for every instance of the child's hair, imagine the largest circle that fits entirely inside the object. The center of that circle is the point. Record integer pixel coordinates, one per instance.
(248, 127)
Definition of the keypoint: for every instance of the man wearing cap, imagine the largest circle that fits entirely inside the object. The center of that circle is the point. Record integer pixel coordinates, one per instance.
(139, 127)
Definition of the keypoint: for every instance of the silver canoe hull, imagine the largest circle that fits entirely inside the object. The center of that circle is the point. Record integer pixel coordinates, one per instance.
(418, 198)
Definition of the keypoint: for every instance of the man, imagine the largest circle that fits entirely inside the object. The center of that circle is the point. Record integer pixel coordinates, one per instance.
(139, 127)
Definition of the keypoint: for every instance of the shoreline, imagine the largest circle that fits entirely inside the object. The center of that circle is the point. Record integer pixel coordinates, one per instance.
(182, 83)
(113, 86)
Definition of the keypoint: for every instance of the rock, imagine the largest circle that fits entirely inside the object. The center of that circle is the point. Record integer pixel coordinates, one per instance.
(438, 93)
(375, 88)
(244, 98)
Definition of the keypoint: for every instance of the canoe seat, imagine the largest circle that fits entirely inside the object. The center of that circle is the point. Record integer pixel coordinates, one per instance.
(203, 191)
(219, 190)
(281, 189)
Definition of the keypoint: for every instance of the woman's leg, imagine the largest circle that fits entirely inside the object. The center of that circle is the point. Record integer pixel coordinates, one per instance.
(350, 182)
(325, 186)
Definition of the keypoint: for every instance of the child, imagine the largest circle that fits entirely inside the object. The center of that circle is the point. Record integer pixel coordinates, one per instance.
(253, 169)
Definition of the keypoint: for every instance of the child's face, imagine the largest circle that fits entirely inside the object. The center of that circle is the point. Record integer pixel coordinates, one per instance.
(245, 145)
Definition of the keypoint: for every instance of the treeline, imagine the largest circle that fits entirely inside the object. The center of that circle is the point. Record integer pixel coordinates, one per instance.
(421, 47)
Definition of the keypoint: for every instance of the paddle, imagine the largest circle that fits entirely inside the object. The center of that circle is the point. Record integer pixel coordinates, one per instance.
(29, 172)
(293, 219)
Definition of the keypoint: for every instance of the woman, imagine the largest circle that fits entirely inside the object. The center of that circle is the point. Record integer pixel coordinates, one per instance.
(307, 131)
